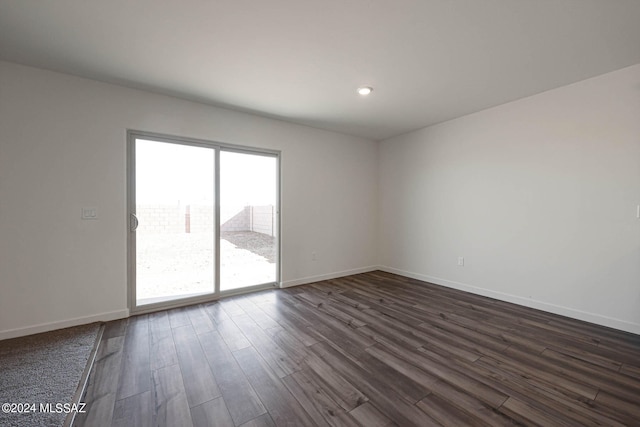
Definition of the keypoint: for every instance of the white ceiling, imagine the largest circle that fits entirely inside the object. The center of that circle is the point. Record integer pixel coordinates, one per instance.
(302, 60)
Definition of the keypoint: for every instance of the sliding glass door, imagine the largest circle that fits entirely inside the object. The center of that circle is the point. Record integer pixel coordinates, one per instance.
(248, 220)
(203, 220)
(175, 234)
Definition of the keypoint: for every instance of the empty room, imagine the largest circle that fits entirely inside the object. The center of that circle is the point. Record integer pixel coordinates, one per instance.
(319, 213)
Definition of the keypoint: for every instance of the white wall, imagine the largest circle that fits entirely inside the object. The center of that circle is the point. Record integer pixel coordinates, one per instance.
(538, 195)
(62, 146)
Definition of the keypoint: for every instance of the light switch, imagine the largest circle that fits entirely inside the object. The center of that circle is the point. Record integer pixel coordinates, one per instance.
(89, 213)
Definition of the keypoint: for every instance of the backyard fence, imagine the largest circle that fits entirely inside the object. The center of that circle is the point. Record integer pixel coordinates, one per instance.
(166, 219)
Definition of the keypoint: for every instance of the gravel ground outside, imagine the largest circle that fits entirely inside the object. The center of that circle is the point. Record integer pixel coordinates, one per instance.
(183, 264)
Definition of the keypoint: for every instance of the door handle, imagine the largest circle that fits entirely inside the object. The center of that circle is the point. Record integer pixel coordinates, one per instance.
(133, 222)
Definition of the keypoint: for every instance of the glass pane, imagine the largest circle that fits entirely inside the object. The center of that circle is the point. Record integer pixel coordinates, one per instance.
(175, 209)
(248, 247)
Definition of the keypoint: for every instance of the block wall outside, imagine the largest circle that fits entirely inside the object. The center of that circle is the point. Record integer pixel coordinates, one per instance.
(161, 219)
(234, 220)
(201, 218)
(263, 219)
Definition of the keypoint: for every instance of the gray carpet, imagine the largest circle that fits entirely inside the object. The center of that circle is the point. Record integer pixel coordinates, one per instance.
(43, 368)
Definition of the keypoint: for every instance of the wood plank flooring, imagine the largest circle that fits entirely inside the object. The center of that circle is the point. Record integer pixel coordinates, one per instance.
(373, 349)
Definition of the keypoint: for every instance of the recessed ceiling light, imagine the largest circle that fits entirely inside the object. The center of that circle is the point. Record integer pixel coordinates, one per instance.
(365, 90)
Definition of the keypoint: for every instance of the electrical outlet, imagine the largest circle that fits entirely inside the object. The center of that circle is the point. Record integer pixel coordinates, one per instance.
(314, 256)
(461, 261)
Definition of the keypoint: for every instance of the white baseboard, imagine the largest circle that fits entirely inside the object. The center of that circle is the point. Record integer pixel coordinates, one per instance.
(328, 276)
(46, 327)
(573, 313)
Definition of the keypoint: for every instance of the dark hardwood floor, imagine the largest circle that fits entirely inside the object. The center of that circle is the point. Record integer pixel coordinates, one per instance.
(372, 349)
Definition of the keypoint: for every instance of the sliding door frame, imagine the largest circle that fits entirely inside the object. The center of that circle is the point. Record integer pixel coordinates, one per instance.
(217, 147)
